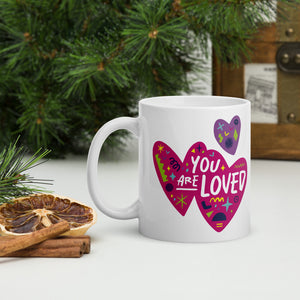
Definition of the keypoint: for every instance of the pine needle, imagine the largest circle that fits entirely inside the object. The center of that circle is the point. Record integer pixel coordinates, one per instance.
(13, 181)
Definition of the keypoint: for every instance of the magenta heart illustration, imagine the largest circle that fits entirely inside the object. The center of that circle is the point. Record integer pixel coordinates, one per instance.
(228, 135)
(205, 175)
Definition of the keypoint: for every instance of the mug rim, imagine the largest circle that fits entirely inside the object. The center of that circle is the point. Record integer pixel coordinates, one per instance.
(194, 102)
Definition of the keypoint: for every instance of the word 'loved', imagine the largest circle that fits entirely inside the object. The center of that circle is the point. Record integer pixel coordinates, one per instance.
(211, 178)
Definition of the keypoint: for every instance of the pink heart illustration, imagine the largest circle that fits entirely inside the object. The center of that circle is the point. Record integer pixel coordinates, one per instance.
(228, 135)
(205, 175)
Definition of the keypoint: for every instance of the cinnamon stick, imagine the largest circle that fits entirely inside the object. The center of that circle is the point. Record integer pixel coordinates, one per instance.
(61, 252)
(24, 241)
(86, 239)
(83, 241)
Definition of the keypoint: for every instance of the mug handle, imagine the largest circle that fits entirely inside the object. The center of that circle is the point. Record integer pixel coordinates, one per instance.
(130, 124)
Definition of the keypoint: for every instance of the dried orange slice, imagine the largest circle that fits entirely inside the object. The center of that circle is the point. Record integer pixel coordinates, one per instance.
(34, 212)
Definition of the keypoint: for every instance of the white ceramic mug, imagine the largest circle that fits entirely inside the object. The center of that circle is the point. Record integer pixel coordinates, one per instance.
(194, 168)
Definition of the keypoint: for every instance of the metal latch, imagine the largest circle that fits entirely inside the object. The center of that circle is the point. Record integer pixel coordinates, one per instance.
(288, 58)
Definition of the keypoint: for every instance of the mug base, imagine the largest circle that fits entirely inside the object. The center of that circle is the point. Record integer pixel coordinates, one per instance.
(193, 240)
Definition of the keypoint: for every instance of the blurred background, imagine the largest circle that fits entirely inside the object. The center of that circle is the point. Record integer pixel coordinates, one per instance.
(68, 67)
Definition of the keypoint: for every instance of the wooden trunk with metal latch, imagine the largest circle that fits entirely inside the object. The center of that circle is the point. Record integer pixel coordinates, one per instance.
(271, 81)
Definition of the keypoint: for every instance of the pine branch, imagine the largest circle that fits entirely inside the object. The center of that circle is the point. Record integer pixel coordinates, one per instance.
(83, 70)
(151, 32)
(13, 181)
(43, 116)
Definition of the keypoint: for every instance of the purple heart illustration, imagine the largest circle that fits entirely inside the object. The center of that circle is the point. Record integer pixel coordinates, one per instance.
(228, 135)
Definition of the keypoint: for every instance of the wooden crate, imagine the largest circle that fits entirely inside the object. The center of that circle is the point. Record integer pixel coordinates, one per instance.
(277, 45)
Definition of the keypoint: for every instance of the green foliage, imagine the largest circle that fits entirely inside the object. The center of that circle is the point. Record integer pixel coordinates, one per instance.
(13, 181)
(69, 66)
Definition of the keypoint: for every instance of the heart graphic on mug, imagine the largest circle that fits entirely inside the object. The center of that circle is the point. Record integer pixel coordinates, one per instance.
(205, 175)
(228, 135)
